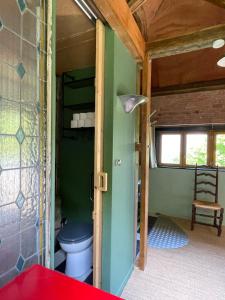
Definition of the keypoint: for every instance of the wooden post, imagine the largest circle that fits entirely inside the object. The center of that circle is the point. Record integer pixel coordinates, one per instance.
(145, 135)
(98, 160)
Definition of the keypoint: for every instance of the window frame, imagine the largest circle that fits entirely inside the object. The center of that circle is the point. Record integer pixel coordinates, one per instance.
(160, 147)
(183, 132)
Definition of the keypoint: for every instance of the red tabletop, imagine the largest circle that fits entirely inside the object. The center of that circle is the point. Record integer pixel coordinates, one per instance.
(39, 283)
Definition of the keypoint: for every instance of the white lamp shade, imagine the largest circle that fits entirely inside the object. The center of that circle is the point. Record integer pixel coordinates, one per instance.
(221, 62)
(218, 43)
(130, 102)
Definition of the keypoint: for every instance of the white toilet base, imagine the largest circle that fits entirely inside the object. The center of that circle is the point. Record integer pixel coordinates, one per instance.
(84, 276)
(78, 264)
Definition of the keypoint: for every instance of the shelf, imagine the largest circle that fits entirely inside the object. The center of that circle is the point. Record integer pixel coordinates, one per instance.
(78, 129)
(77, 84)
(81, 106)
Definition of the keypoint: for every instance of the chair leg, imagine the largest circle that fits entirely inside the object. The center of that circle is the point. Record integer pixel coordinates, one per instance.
(215, 218)
(220, 222)
(193, 217)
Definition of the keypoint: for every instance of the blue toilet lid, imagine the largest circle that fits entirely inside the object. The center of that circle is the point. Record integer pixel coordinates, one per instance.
(75, 232)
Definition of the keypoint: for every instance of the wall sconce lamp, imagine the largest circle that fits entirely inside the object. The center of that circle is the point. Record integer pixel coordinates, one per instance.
(130, 102)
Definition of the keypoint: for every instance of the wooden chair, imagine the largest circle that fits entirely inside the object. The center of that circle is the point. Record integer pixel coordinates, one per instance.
(205, 186)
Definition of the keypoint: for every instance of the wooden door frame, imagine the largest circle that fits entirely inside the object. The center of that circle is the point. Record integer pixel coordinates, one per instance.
(100, 178)
(144, 161)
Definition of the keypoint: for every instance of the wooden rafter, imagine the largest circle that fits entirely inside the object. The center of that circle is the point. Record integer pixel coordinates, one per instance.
(190, 42)
(220, 3)
(118, 15)
(135, 5)
(218, 84)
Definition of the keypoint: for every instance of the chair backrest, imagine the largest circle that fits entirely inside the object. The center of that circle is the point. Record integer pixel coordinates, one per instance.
(205, 186)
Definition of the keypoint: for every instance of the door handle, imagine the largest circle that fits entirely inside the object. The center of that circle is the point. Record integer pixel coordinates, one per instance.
(103, 182)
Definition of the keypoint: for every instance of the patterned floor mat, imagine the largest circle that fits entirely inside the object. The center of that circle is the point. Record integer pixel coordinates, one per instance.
(165, 234)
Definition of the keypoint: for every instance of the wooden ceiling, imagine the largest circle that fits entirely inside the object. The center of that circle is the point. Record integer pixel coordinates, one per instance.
(197, 66)
(75, 40)
(158, 20)
(163, 19)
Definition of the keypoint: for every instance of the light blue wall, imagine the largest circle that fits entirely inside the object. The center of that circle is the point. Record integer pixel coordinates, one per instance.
(171, 192)
(119, 143)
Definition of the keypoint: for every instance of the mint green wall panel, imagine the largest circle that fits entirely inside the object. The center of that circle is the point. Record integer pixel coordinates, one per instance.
(119, 143)
(108, 158)
(171, 192)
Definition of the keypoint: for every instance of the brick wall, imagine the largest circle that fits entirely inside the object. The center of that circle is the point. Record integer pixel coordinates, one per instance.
(191, 108)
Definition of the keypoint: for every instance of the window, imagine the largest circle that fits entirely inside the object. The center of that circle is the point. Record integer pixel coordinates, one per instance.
(170, 150)
(188, 147)
(196, 148)
(220, 150)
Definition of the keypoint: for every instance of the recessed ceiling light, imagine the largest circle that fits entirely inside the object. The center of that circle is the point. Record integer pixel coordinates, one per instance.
(218, 43)
(221, 62)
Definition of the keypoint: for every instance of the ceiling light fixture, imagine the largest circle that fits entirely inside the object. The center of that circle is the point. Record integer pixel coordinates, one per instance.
(221, 62)
(130, 102)
(218, 43)
(87, 10)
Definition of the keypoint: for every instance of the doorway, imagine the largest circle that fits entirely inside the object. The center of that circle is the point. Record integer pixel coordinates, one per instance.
(80, 180)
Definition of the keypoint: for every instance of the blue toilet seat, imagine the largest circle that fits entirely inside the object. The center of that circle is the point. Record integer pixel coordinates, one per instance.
(75, 232)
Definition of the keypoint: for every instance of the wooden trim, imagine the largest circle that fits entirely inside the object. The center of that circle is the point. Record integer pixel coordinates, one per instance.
(145, 132)
(187, 43)
(183, 149)
(210, 156)
(137, 147)
(201, 86)
(118, 15)
(220, 3)
(98, 156)
(135, 5)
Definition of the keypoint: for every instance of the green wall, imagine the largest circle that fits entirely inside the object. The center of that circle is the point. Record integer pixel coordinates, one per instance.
(77, 156)
(119, 141)
(171, 192)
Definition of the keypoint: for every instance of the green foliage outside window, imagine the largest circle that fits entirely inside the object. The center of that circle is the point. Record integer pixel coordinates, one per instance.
(220, 150)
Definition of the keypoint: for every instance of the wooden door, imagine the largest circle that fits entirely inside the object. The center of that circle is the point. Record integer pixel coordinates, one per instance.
(100, 178)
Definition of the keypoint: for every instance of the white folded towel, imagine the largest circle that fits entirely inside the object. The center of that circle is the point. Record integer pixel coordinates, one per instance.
(83, 116)
(88, 123)
(76, 117)
(80, 123)
(74, 124)
(90, 115)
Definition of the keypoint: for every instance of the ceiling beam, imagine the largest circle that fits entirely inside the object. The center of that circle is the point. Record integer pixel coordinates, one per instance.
(200, 86)
(118, 15)
(220, 3)
(197, 40)
(135, 5)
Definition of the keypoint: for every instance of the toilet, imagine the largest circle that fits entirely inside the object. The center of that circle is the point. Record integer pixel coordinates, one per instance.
(76, 239)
